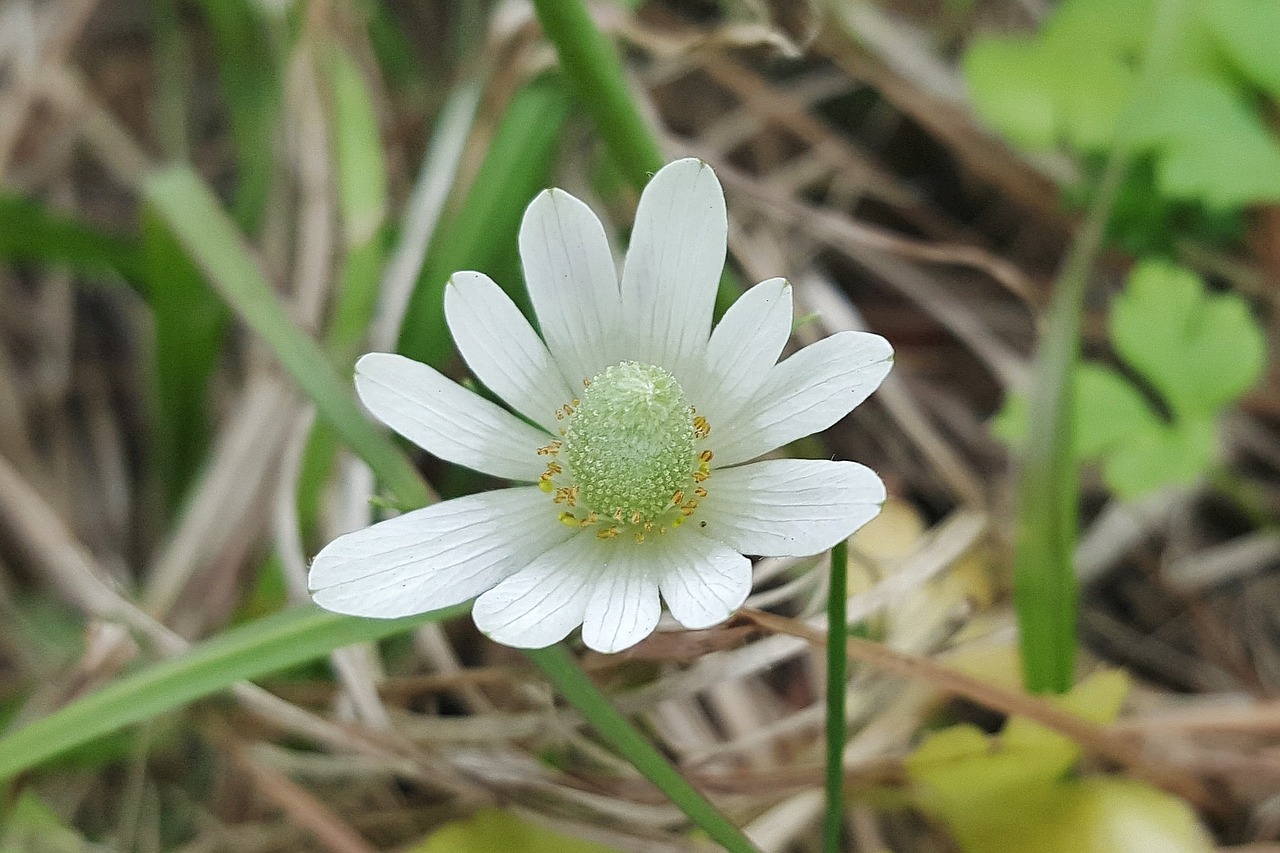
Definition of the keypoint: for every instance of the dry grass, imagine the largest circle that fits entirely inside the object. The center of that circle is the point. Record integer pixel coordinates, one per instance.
(853, 167)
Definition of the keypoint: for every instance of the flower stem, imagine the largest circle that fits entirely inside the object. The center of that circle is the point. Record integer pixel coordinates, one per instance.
(561, 669)
(595, 72)
(837, 676)
(593, 67)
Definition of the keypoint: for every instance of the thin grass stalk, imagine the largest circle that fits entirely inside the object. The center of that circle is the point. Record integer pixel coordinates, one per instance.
(596, 75)
(1048, 483)
(837, 677)
(595, 71)
(563, 671)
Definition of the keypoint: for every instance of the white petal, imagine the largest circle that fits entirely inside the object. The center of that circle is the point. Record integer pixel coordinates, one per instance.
(789, 507)
(746, 343)
(569, 270)
(544, 601)
(805, 394)
(446, 419)
(674, 263)
(623, 608)
(703, 581)
(435, 557)
(502, 349)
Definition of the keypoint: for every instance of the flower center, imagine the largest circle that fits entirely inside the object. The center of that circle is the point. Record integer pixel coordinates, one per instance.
(631, 447)
(630, 442)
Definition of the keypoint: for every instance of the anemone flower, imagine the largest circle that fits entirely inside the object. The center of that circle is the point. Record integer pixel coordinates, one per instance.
(631, 431)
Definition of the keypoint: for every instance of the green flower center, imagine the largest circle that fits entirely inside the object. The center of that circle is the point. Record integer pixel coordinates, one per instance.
(630, 444)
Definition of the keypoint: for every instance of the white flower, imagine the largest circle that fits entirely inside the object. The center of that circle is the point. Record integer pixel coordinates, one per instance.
(641, 426)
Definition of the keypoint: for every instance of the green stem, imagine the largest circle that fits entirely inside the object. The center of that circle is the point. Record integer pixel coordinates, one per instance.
(595, 71)
(561, 669)
(593, 67)
(1048, 487)
(837, 676)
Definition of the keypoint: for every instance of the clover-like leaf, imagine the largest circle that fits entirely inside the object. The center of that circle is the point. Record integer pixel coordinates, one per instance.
(1045, 90)
(1210, 144)
(962, 774)
(1107, 409)
(1161, 455)
(1070, 83)
(969, 779)
(1249, 32)
(1201, 351)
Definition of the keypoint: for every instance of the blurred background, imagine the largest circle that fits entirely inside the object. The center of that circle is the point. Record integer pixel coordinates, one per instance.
(916, 168)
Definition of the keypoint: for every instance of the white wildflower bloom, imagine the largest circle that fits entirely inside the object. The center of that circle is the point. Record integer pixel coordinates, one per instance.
(641, 426)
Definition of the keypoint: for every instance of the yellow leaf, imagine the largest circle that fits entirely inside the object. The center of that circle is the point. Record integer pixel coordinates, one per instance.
(492, 829)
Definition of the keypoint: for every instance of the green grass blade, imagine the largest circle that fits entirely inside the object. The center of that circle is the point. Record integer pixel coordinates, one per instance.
(190, 326)
(561, 669)
(483, 234)
(1048, 481)
(245, 652)
(30, 231)
(212, 241)
(357, 148)
(250, 78)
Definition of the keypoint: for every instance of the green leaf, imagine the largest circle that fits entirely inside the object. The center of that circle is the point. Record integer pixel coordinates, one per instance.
(1108, 411)
(1161, 455)
(962, 767)
(1201, 351)
(190, 326)
(1249, 32)
(1211, 144)
(244, 652)
(212, 241)
(1106, 408)
(1067, 84)
(248, 72)
(30, 231)
(483, 234)
(362, 171)
(969, 779)
(32, 825)
(491, 829)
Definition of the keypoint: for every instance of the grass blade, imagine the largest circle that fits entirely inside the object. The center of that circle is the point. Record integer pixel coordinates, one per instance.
(561, 669)
(212, 241)
(483, 235)
(1048, 481)
(30, 231)
(248, 651)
